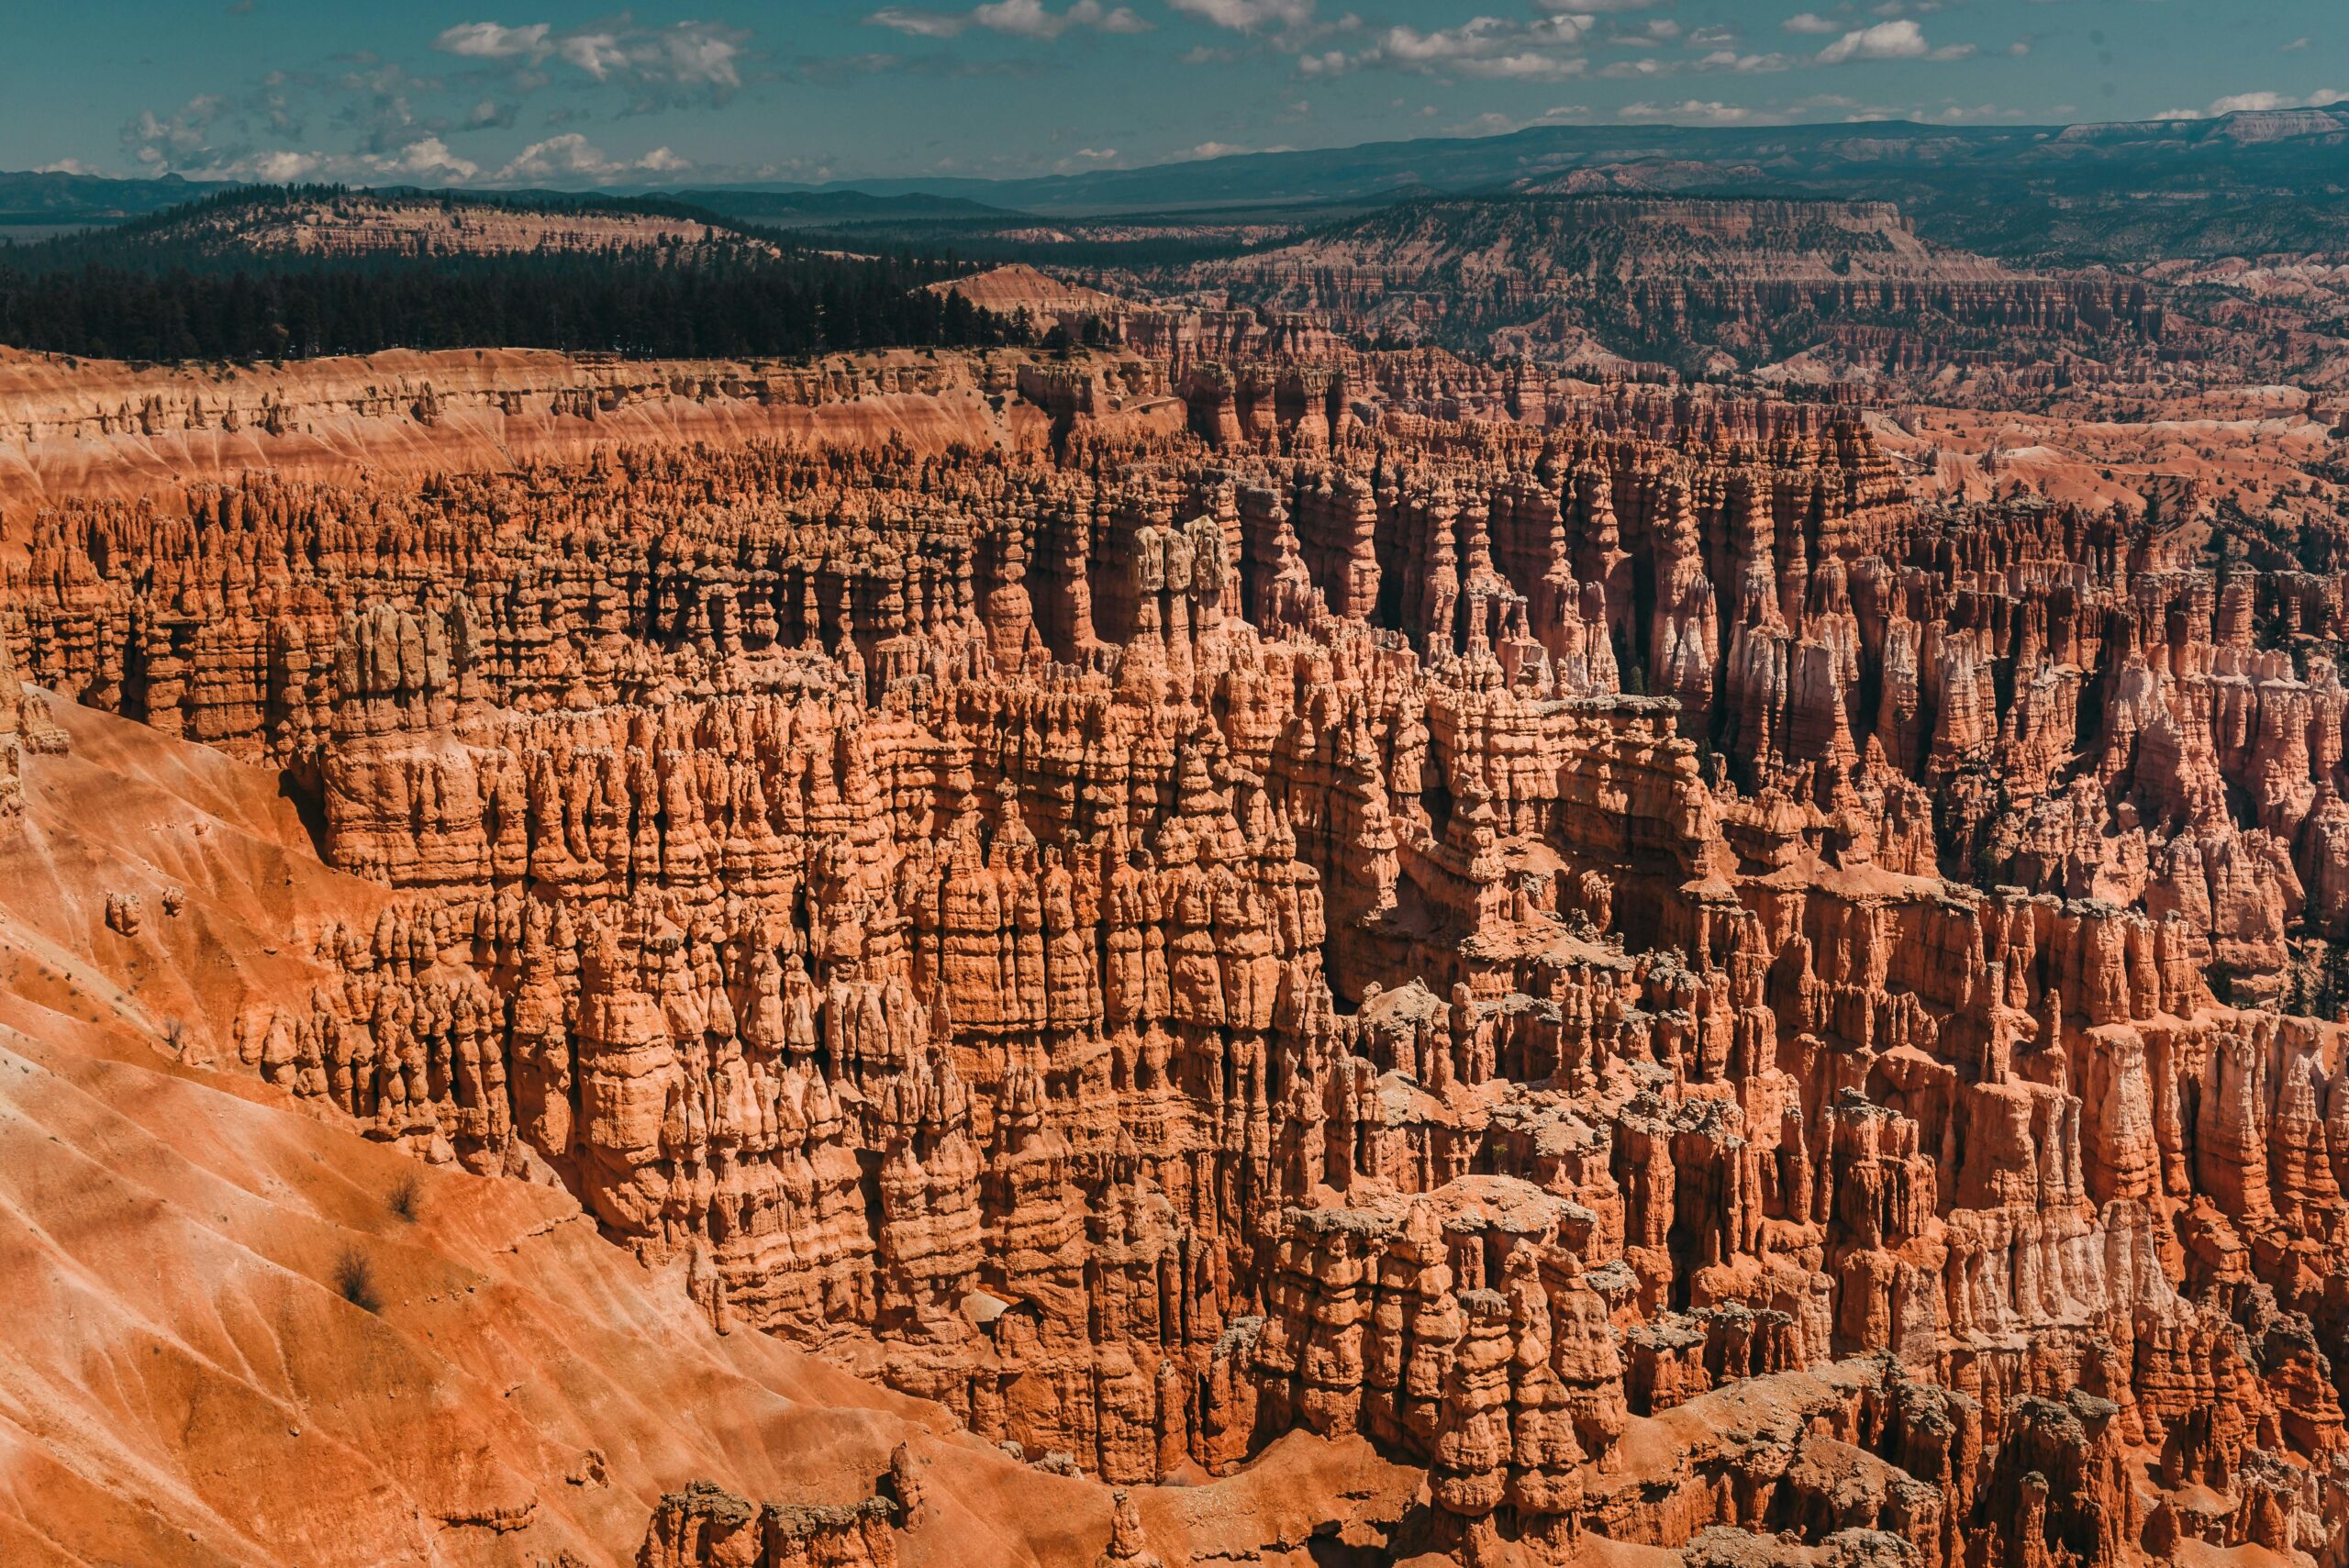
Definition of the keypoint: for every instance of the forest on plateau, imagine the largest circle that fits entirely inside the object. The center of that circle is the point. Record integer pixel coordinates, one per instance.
(144, 292)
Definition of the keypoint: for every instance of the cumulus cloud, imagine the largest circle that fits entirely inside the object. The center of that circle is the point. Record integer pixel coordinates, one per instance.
(2264, 101)
(1018, 18)
(1483, 48)
(1810, 22)
(158, 143)
(1901, 39)
(427, 158)
(1690, 111)
(663, 64)
(491, 41)
(285, 166)
(184, 142)
(1249, 16)
(385, 124)
(1743, 64)
(571, 156)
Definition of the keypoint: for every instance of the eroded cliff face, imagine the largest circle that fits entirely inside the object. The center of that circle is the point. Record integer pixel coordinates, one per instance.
(1619, 959)
(78, 428)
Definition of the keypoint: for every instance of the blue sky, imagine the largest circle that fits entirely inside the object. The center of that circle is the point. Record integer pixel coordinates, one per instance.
(503, 92)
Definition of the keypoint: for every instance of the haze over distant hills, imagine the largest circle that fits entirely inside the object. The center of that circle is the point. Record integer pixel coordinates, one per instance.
(2244, 182)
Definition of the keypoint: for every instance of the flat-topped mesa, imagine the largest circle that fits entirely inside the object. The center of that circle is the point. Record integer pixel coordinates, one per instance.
(1536, 947)
(1694, 286)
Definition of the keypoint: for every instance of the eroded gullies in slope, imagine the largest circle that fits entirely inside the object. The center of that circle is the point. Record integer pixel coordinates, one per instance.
(1161, 939)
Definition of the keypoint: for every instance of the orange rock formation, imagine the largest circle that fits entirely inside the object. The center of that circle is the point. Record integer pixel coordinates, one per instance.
(1614, 955)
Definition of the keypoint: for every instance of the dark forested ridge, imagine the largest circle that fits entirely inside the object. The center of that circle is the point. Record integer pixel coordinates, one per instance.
(142, 292)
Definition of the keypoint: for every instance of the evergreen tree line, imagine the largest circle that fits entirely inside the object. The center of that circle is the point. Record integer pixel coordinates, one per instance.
(634, 303)
(166, 288)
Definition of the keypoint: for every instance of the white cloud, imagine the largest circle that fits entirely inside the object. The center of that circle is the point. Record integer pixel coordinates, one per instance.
(1247, 16)
(427, 158)
(420, 159)
(1809, 22)
(702, 56)
(660, 63)
(1524, 67)
(1012, 15)
(181, 139)
(918, 24)
(1743, 64)
(1903, 40)
(392, 125)
(1018, 18)
(490, 40)
(598, 54)
(1483, 48)
(286, 168)
(1690, 111)
(572, 157)
(2261, 102)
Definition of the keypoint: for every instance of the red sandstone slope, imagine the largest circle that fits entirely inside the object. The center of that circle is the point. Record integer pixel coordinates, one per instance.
(183, 1378)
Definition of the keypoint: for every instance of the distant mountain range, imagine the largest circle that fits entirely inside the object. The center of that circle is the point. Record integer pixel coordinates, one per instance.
(2248, 181)
(1892, 159)
(42, 197)
(46, 200)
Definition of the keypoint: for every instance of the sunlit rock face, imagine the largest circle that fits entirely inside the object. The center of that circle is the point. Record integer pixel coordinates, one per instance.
(1610, 952)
